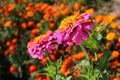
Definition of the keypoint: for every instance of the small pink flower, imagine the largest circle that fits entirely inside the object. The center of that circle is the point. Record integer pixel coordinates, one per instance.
(74, 29)
(40, 44)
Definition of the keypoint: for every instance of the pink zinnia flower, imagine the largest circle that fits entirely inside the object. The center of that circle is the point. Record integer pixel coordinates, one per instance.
(74, 29)
(40, 44)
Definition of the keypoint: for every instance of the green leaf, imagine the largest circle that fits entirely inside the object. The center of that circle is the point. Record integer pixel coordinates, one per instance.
(99, 37)
(68, 78)
(118, 65)
(83, 63)
(50, 70)
(42, 71)
(103, 61)
(58, 63)
(91, 43)
(106, 76)
(60, 77)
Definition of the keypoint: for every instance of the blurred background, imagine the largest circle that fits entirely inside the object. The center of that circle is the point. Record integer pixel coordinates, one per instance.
(22, 20)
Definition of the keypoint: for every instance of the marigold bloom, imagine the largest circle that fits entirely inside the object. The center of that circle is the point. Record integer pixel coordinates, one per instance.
(73, 29)
(64, 68)
(77, 6)
(116, 79)
(114, 64)
(111, 36)
(1, 11)
(30, 13)
(8, 24)
(90, 11)
(34, 31)
(114, 25)
(115, 54)
(98, 18)
(10, 7)
(112, 17)
(118, 39)
(41, 43)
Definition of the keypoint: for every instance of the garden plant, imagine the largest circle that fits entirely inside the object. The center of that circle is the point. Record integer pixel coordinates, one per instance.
(58, 40)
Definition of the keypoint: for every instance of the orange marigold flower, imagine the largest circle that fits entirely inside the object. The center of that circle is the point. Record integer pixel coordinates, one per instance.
(56, 14)
(66, 10)
(111, 36)
(112, 17)
(118, 39)
(44, 60)
(99, 55)
(12, 48)
(44, 6)
(12, 69)
(114, 25)
(98, 18)
(30, 23)
(14, 41)
(67, 72)
(32, 68)
(65, 65)
(116, 79)
(23, 25)
(38, 25)
(28, 8)
(115, 54)
(108, 44)
(38, 5)
(79, 55)
(1, 11)
(64, 69)
(46, 16)
(8, 43)
(52, 25)
(75, 12)
(77, 6)
(62, 6)
(35, 31)
(30, 13)
(90, 11)
(48, 9)
(10, 7)
(6, 53)
(105, 20)
(8, 24)
(20, 14)
(3, 19)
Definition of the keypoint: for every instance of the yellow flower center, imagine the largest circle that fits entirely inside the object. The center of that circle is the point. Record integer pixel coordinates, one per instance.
(36, 39)
(41, 37)
(68, 22)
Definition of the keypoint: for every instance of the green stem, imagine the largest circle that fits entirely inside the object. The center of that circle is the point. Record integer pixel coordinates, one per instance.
(53, 64)
(102, 27)
(84, 76)
(85, 52)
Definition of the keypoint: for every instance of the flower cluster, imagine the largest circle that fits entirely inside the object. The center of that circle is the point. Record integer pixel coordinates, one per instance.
(74, 29)
(38, 45)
